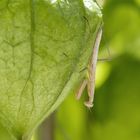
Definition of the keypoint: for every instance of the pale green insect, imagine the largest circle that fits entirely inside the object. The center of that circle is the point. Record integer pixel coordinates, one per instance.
(89, 81)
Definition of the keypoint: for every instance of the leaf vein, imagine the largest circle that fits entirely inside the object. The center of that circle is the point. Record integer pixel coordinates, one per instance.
(32, 31)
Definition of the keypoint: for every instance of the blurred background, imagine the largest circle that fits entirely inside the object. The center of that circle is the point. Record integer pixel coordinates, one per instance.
(116, 111)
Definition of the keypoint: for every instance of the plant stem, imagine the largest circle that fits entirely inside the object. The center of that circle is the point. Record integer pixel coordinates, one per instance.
(46, 130)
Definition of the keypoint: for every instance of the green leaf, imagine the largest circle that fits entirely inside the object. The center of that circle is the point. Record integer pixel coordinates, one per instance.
(44, 44)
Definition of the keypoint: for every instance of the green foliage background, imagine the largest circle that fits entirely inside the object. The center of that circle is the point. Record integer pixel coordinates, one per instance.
(116, 111)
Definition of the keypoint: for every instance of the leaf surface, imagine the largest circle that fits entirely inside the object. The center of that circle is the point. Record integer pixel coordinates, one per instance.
(44, 44)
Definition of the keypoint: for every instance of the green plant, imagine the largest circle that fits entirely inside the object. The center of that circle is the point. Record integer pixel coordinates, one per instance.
(44, 44)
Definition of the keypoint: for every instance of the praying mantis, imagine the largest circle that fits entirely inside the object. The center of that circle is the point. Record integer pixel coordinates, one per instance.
(89, 81)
